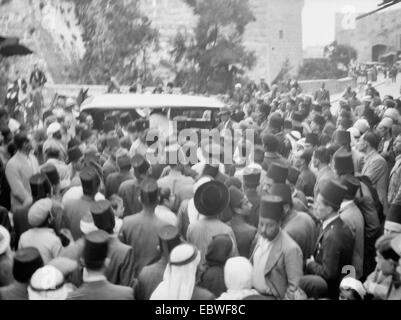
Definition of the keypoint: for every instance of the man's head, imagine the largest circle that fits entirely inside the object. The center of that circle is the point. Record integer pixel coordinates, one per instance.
(343, 163)
(283, 191)
(303, 159)
(95, 251)
(397, 145)
(141, 166)
(150, 196)
(239, 203)
(271, 214)
(103, 216)
(370, 141)
(329, 200)
(321, 157)
(22, 143)
(384, 127)
(271, 143)
(90, 181)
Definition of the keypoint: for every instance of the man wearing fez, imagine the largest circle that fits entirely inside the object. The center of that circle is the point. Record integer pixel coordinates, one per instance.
(26, 262)
(121, 269)
(96, 286)
(210, 200)
(129, 190)
(152, 275)
(252, 177)
(277, 259)
(299, 225)
(335, 244)
(114, 180)
(75, 209)
(277, 173)
(110, 166)
(343, 139)
(140, 230)
(343, 167)
(240, 209)
(352, 216)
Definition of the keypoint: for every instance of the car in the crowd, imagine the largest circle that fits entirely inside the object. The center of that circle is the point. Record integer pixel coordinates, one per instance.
(167, 112)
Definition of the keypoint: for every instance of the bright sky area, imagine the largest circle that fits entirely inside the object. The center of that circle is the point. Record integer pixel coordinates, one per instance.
(319, 18)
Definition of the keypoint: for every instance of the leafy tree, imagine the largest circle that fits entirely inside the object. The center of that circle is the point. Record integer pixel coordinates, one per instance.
(340, 53)
(208, 60)
(117, 38)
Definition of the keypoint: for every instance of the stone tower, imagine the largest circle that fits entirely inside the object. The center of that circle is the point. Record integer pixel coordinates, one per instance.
(275, 36)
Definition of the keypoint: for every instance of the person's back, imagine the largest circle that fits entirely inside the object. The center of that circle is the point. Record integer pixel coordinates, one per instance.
(101, 290)
(149, 278)
(129, 191)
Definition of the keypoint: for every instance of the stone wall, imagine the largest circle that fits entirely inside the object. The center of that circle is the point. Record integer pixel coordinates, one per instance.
(382, 28)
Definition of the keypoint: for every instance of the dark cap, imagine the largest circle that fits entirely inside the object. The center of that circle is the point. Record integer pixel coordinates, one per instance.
(333, 192)
(283, 191)
(103, 215)
(86, 134)
(394, 214)
(343, 138)
(149, 191)
(26, 262)
(40, 186)
(343, 162)
(74, 154)
(352, 184)
(211, 198)
(252, 177)
(276, 121)
(52, 174)
(277, 172)
(297, 116)
(287, 124)
(271, 207)
(95, 249)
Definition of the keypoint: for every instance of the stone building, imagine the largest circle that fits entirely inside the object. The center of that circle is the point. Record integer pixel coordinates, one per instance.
(375, 37)
(275, 36)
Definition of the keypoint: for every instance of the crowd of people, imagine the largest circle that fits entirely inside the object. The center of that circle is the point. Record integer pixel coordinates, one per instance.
(310, 209)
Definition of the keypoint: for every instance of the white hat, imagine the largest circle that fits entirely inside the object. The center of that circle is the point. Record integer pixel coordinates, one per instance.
(13, 125)
(70, 102)
(47, 283)
(352, 283)
(386, 122)
(238, 86)
(39, 212)
(392, 113)
(362, 125)
(53, 128)
(4, 240)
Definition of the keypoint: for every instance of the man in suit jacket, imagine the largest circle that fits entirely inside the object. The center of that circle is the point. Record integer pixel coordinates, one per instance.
(335, 244)
(272, 147)
(352, 216)
(322, 95)
(122, 268)
(75, 210)
(20, 168)
(375, 168)
(394, 193)
(114, 180)
(225, 121)
(299, 225)
(321, 161)
(140, 230)
(244, 233)
(252, 179)
(151, 276)
(96, 286)
(277, 259)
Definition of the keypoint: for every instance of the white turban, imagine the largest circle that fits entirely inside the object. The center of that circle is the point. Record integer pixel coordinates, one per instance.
(39, 212)
(179, 280)
(362, 125)
(352, 283)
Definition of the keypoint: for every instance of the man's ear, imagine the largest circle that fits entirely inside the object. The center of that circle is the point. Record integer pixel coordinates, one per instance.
(106, 262)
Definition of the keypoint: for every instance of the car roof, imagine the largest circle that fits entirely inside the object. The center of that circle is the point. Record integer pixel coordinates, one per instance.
(151, 101)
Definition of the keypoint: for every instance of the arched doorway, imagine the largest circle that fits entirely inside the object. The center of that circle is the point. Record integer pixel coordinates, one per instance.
(377, 51)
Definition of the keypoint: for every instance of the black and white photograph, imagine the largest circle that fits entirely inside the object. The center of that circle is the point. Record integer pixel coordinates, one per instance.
(220, 151)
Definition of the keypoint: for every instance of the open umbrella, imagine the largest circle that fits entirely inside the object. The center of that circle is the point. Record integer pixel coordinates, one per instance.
(11, 47)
